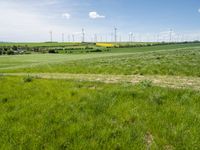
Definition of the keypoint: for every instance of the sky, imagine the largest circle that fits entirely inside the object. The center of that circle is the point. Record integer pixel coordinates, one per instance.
(146, 20)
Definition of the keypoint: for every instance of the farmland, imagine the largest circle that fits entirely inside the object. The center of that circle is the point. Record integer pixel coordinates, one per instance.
(135, 97)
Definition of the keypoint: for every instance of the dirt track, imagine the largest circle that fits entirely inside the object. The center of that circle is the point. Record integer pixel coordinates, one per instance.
(162, 81)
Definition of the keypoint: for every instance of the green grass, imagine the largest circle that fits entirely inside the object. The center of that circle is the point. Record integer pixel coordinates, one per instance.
(156, 48)
(61, 114)
(163, 60)
(38, 113)
(27, 61)
(48, 44)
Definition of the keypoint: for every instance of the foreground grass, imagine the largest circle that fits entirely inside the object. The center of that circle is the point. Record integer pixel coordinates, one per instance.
(61, 114)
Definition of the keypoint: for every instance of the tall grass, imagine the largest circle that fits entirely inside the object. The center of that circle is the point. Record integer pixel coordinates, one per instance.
(59, 114)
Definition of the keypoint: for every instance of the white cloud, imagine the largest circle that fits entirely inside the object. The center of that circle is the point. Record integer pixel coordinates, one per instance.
(66, 15)
(95, 15)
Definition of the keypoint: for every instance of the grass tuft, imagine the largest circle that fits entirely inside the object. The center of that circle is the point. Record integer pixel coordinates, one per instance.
(28, 79)
(145, 83)
(4, 100)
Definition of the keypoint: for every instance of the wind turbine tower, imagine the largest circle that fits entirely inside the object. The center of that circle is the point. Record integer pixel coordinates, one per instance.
(170, 35)
(115, 35)
(130, 37)
(63, 37)
(95, 37)
(51, 36)
(73, 39)
(83, 35)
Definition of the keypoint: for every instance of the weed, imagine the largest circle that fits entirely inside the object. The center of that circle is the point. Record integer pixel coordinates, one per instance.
(28, 79)
(145, 83)
(4, 100)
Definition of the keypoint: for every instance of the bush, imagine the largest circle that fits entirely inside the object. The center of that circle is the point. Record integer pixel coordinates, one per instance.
(15, 48)
(35, 49)
(146, 83)
(28, 79)
(52, 51)
(5, 49)
(10, 52)
(4, 100)
(1, 51)
(96, 50)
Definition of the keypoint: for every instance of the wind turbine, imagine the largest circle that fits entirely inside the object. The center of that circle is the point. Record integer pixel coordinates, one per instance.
(73, 38)
(115, 29)
(63, 37)
(83, 35)
(170, 35)
(51, 36)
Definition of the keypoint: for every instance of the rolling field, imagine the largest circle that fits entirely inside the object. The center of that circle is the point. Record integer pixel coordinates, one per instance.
(47, 44)
(179, 60)
(127, 98)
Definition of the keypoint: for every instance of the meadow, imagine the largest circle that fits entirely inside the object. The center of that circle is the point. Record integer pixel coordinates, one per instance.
(126, 98)
(179, 60)
(47, 44)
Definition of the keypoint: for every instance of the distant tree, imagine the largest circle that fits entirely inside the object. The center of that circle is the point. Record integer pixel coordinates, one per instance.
(5, 49)
(52, 51)
(10, 52)
(15, 48)
(1, 51)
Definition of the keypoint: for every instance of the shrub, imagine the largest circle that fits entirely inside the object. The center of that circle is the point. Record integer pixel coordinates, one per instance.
(52, 51)
(35, 49)
(1, 51)
(96, 50)
(5, 49)
(14, 48)
(10, 52)
(146, 83)
(4, 100)
(28, 79)
(157, 99)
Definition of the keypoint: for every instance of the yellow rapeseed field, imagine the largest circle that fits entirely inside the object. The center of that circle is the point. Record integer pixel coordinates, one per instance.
(105, 44)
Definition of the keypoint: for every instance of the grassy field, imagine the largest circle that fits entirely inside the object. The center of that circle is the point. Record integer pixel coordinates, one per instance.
(47, 44)
(182, 60)
(46, 114)
(127, 98)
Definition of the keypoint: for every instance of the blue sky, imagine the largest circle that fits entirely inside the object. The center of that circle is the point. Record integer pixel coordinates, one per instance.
(31, 20)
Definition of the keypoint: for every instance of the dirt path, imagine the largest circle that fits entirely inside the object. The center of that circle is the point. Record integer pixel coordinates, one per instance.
(162, 81)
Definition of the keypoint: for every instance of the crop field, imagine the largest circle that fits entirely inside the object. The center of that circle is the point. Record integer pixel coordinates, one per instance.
(125, 98)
